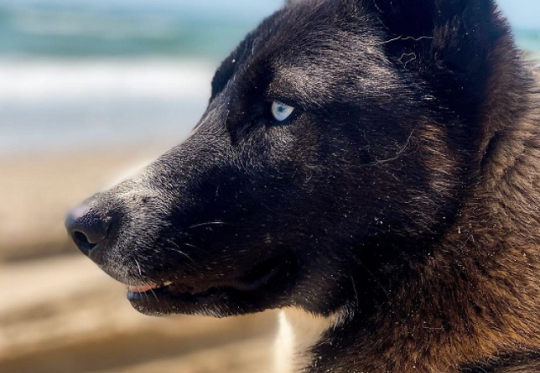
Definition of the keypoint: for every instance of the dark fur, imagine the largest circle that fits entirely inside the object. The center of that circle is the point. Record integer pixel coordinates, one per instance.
(403, 191)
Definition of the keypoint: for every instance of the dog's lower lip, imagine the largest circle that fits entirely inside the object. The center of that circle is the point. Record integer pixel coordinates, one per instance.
(141, 289)
(150, 292)
(146, 288)
(190, 294)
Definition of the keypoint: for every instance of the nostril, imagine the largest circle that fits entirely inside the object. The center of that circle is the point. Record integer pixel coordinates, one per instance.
(83, 242)
(88, 227)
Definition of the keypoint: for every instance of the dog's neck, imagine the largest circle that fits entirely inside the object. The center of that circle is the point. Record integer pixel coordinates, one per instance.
(474, 298)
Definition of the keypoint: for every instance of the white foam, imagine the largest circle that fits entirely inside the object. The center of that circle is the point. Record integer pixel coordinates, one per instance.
(60, 106)
(48, 80)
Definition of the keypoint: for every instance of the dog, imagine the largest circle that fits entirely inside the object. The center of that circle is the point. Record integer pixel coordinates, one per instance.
(369, 167)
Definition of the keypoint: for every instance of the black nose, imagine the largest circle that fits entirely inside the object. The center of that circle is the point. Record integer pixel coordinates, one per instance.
(87, 227)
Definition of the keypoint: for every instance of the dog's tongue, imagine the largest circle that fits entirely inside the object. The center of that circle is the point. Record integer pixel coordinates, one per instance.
(141, 289)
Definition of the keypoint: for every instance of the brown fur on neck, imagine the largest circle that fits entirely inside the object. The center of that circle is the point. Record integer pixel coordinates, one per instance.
(486, 273)
(476, 297)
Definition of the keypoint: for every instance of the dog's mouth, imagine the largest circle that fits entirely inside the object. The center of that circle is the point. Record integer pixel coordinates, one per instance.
(245, 294)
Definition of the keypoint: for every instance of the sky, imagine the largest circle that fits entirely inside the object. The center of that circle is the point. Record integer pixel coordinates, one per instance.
(522, 13)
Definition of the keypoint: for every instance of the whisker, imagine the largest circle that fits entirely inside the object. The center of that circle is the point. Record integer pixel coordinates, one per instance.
(209, 223)
(361, 263)
(193, 246)
(139, 268)
(142, 280)
(355, 291)
(155, 296)
(178, 250)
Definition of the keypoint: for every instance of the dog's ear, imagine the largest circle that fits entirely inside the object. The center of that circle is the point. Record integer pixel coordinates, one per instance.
(418, 18)
(456, 32)
(454, 44)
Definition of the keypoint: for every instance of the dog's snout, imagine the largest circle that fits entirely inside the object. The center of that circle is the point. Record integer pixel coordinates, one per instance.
(87, 227)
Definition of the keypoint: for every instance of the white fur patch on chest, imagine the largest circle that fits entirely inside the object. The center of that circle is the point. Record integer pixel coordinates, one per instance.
(298, 332)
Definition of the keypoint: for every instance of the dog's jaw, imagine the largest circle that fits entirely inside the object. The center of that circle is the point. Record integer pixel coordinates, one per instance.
(299, 331)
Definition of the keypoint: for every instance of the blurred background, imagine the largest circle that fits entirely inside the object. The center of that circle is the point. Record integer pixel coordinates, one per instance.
(89, 90)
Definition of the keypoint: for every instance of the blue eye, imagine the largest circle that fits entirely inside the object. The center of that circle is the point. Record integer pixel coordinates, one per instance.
(281, 111)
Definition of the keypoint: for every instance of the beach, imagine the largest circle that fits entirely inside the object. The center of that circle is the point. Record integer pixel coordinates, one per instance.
(37, 192)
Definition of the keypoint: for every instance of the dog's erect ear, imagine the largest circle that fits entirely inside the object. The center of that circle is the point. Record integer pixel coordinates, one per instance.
(416, 18)
(453, 43)
(456, 32)
(459, 32)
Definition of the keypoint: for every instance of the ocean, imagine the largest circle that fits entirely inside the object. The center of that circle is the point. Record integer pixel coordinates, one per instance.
(77, 74)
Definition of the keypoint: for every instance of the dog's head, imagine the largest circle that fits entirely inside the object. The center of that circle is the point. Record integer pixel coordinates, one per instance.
(340, 138)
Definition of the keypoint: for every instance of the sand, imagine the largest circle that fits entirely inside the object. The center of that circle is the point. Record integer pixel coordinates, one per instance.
(36, 193)
(59, 313)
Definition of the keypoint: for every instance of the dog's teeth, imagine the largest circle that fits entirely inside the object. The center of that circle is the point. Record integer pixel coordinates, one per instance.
(168, 283)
